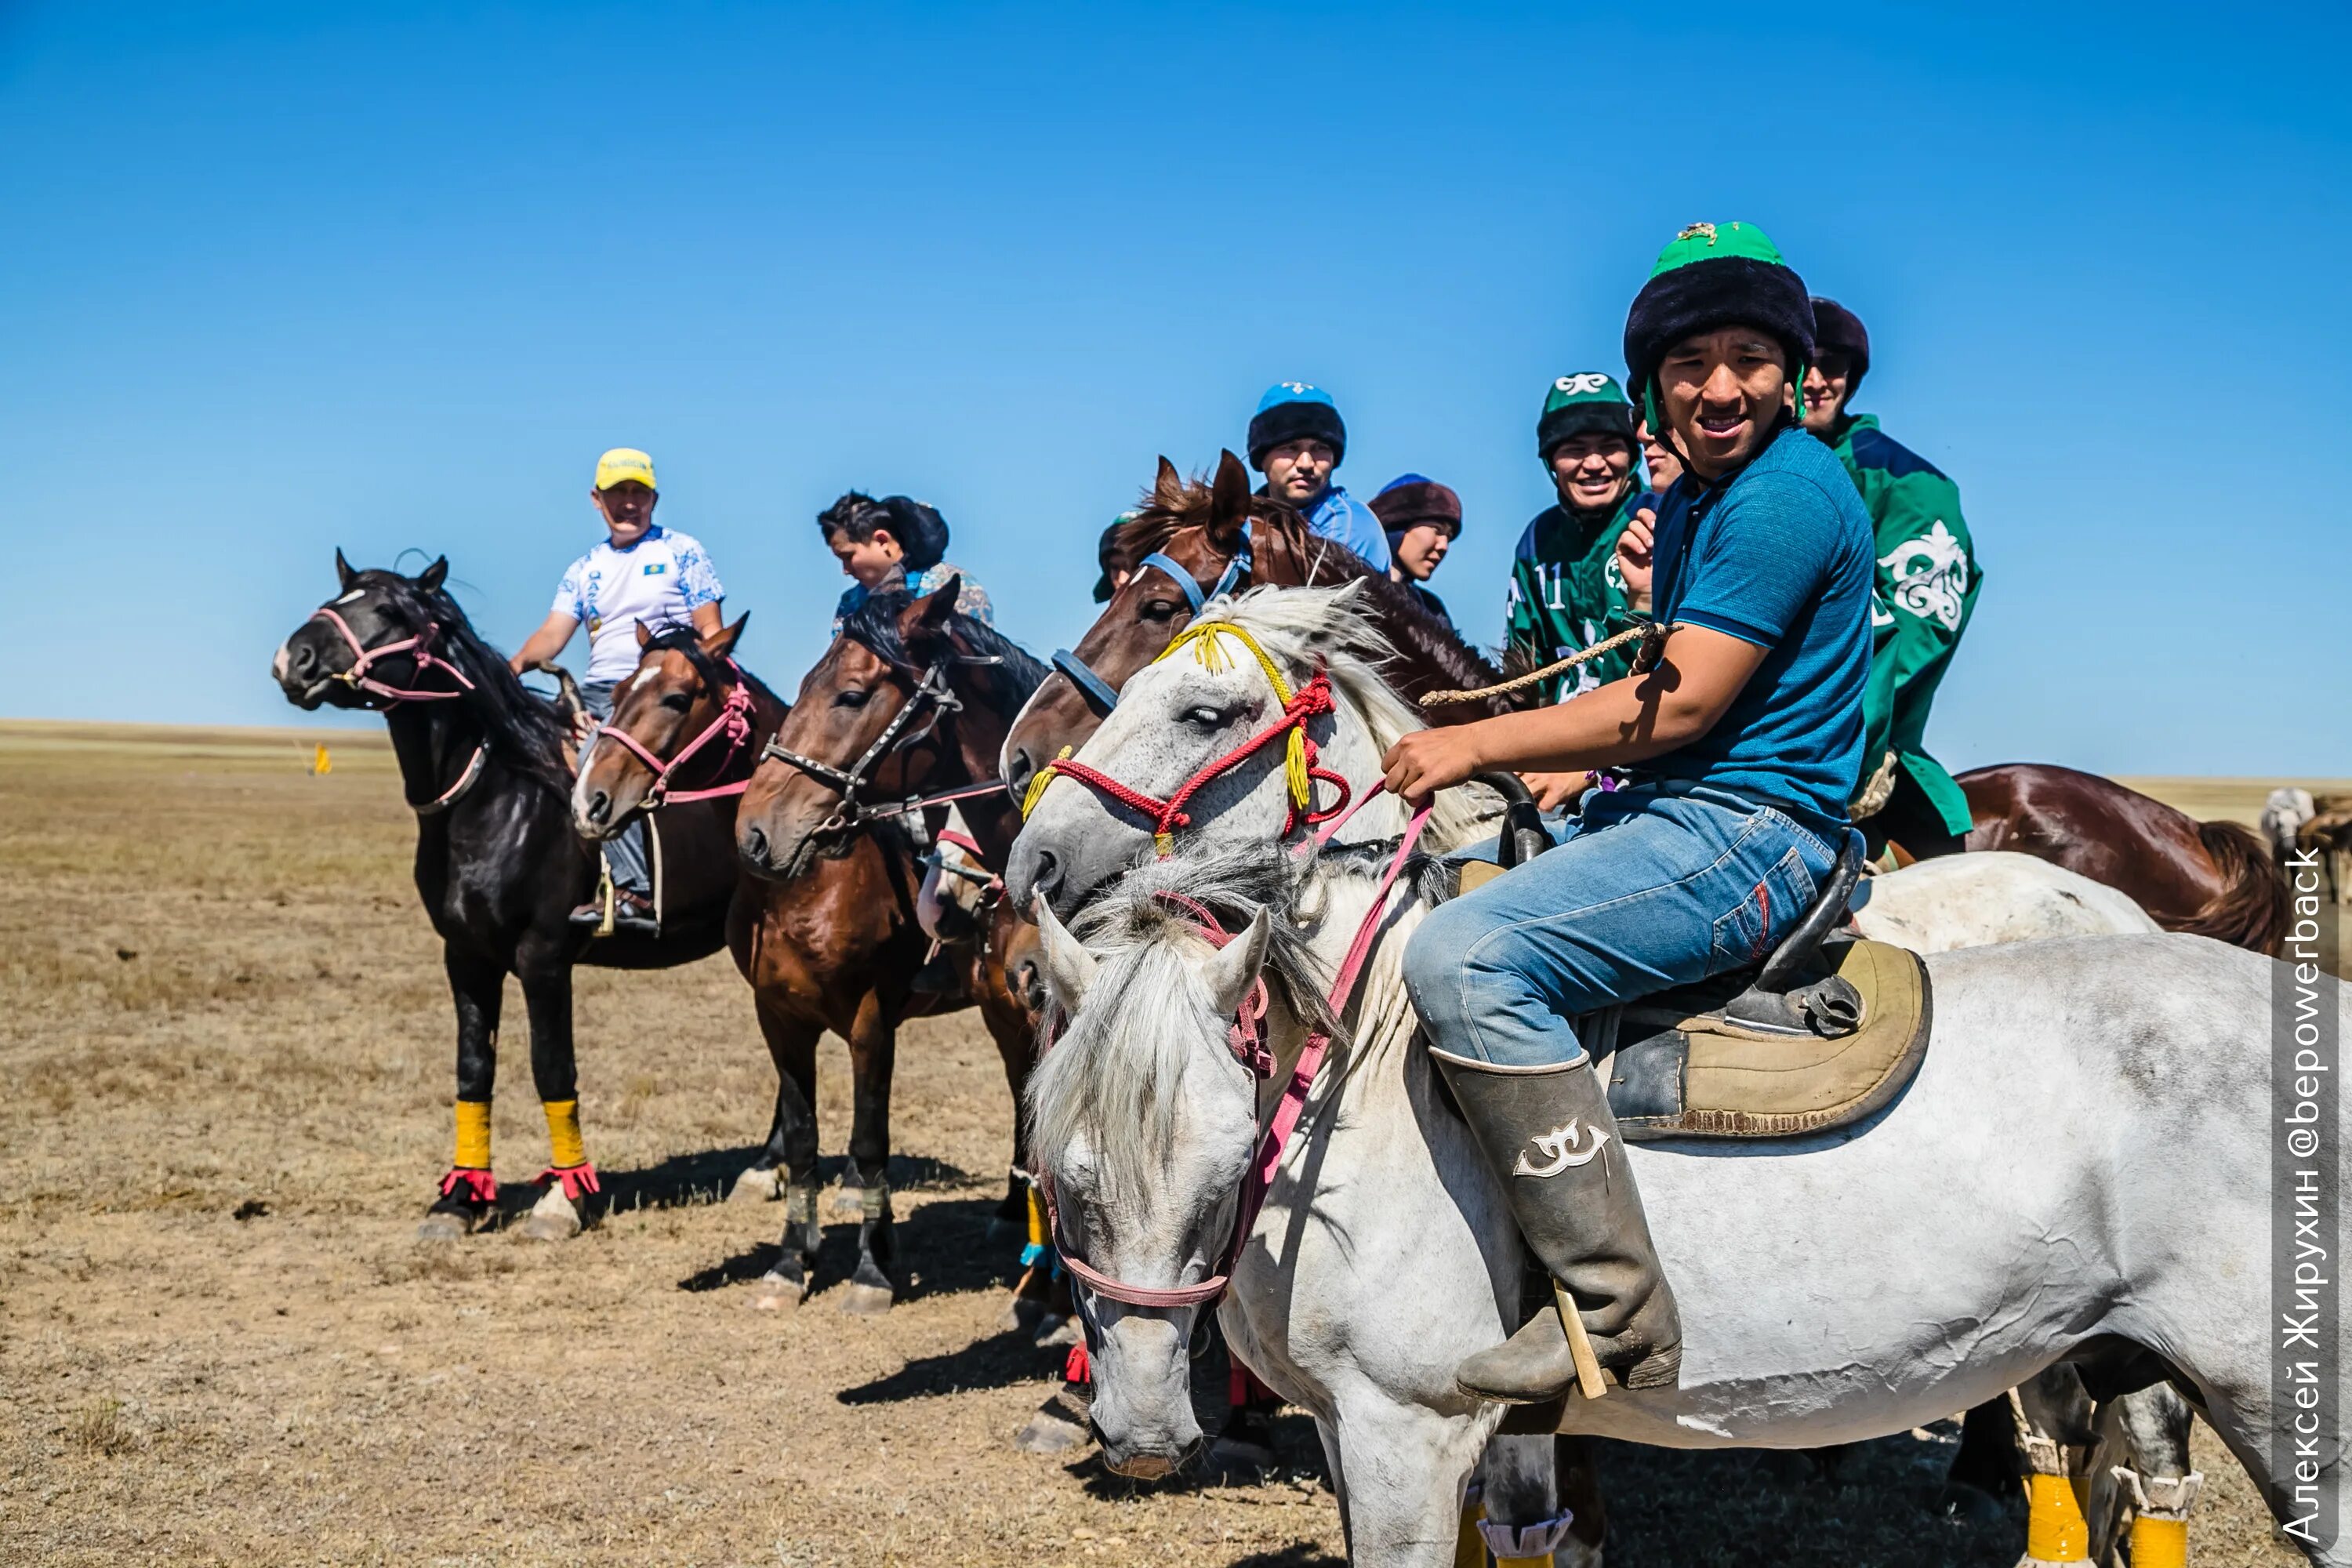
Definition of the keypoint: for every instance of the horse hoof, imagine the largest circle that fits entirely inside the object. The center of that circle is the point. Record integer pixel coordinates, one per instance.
(1056, 1428)
(849, 1203)
(777, 1294)
(1023, 1316)
(552, 1218)
(1056, 1332)
(757, 1186)
(440, 1225)
(865, 1300)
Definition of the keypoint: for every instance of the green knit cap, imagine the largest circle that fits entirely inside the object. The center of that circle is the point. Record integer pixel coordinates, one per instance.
(1586, 401)
(1714, 241)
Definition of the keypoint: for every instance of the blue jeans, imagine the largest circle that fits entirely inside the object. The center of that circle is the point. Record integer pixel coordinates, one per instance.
(624, 852)
(1653, 887)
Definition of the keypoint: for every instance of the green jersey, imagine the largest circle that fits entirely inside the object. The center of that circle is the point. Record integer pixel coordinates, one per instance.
(1926, 590)
(1567, 593)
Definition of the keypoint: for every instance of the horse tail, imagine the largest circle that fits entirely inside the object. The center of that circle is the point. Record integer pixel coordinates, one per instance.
(2250, 910)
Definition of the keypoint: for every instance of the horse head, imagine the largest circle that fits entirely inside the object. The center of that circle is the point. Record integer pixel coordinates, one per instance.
(678, 696)
(1252, 660)
(327, 657)
(1144, 1125)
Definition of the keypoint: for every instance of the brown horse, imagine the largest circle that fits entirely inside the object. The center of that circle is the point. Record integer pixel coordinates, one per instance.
(2208, 878)
(1218, 535)
(910, 702)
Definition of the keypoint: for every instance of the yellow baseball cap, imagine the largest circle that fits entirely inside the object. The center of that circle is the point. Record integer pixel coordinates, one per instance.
(624, 463)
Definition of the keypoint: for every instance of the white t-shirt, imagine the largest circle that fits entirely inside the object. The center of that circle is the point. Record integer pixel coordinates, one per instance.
(659, 580)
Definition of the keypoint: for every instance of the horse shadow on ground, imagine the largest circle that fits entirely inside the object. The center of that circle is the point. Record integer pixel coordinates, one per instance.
(944, 1248)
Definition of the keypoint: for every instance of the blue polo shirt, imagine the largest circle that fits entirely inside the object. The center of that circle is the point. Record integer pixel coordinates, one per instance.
(1340, 517)
(1779, 555)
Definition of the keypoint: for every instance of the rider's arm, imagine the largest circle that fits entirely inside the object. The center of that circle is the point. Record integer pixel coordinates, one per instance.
(1627, 721)
(705, 618)
(548, 641)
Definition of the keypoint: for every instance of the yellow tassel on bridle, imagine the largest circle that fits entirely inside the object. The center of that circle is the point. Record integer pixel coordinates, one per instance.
(1046, 776)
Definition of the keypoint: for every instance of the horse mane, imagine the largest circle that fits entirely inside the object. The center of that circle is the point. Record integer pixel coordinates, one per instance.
(874, 624)
(1420, 637)
(1304, 627)
(2250, 910)
(523, 728)
(686, 642)
(1117, 1074)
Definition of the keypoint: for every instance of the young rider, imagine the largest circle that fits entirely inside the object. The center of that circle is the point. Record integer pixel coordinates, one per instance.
(642, 572)
(1744, 743)
(1928, 582)
(1421, 519)
(894, 542)
(1295, 439)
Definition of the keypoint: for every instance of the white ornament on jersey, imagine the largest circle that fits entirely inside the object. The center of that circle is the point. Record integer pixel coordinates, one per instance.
(1931, 575)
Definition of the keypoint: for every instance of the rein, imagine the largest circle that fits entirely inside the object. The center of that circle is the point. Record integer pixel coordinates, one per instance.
(1169, 814)
(421, 655)
(1101, 694)
(1245, 1038)
(733, 720)
(933, 695)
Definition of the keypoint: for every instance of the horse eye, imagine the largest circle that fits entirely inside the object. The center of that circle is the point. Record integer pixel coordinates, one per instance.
(678, 702)
(853, 698)
(1207, 718)
(1158, 610)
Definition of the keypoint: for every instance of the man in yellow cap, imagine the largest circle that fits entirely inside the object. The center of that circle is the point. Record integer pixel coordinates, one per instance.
(641, 572)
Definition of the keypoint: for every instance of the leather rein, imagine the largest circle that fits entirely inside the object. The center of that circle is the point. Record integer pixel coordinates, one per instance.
(419, 650)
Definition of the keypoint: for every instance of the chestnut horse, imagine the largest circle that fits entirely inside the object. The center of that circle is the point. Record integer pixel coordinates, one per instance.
(907, 706)
(2206, 879)
(500, 869)
(1189, 541)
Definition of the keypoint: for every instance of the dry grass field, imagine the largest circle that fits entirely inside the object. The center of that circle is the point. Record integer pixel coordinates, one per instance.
(225, 1080)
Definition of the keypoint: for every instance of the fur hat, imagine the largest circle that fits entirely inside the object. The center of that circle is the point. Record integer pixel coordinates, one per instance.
(1409, 501)
(1711, 276)
(920, 530)
(1579, 403)
(1837, 330)
(1294, 411)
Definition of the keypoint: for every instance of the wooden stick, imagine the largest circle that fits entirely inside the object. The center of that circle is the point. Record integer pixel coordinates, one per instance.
(1580, 1345)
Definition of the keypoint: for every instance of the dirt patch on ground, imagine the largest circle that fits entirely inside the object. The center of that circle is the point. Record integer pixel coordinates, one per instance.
(226, 1049)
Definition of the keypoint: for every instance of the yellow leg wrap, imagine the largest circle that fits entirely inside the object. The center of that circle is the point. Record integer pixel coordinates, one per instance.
(2055, 1530)
(565, 1147)
(1543, 1562)
(1038, 1234)
(2159, 1543)
(1469, 1547)
(473, 1136)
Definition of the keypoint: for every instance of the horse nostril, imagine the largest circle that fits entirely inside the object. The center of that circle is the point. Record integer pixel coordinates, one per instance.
(1047, 881)
(755, 846)
(301, 660)
(1017, 770)
(600, 807)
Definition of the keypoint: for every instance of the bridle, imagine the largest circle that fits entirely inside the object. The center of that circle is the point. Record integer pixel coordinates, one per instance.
(1244, 1038)
(1100, 695)
(733, 720)
(420, 653)
(1290, 727)
(934, 699)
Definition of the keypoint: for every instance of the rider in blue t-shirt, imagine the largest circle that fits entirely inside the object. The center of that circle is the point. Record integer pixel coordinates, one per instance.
(1295, 439)
(1744, 743)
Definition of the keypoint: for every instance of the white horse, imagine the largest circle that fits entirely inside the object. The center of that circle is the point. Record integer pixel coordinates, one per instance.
(1933, 1267)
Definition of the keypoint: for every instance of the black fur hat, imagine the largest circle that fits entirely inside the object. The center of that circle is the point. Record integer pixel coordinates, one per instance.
(1711, 276)
(1837, 330)
(1294, 411)
(920, 530)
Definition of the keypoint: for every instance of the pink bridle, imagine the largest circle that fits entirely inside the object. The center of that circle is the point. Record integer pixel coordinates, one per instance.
(733, 720)
(1244, 1039)
(364, 657)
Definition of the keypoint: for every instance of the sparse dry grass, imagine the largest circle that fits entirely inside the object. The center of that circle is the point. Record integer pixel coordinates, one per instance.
(218, 1342)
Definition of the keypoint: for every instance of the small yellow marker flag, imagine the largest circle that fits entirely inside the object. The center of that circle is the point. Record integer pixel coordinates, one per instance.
(321, 764)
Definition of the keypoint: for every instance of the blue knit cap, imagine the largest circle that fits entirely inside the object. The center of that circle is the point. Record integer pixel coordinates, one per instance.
(1295, 411)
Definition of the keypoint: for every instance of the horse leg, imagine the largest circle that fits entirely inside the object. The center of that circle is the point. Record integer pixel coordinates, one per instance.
(1520, 1519)
(792, 1042)
(470, 1192)
(1408, 1513)
(547, 996)
(873, 1052)
(764, 1180)
(1032, 1310)
(2057, 1431)
(2140, 1479)
(1577, 1488)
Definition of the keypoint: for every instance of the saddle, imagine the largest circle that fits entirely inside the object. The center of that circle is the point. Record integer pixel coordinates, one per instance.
(1823, 1034)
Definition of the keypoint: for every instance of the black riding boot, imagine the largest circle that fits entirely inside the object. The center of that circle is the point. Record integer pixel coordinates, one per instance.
(1548, 1136)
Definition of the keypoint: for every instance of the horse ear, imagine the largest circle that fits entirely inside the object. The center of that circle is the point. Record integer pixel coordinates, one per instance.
(929, 617)
(343, 569)
(1230, 506)
(644, 637)
(1069, 967)
(434, 575)
(720, 644)
(1167, 489)
(1234, 968)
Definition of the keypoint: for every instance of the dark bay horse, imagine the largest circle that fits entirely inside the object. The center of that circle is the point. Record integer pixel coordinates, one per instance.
(910, 701)
(1218, 535)
(482, 762)
(2208, 878)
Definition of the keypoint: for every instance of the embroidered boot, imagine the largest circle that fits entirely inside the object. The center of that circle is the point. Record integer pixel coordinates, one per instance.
(1548, 1136)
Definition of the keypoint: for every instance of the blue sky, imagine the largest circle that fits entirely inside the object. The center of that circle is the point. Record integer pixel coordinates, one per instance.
(284, 277)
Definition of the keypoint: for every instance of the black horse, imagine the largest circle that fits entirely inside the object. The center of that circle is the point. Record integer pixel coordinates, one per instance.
(499, 865)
